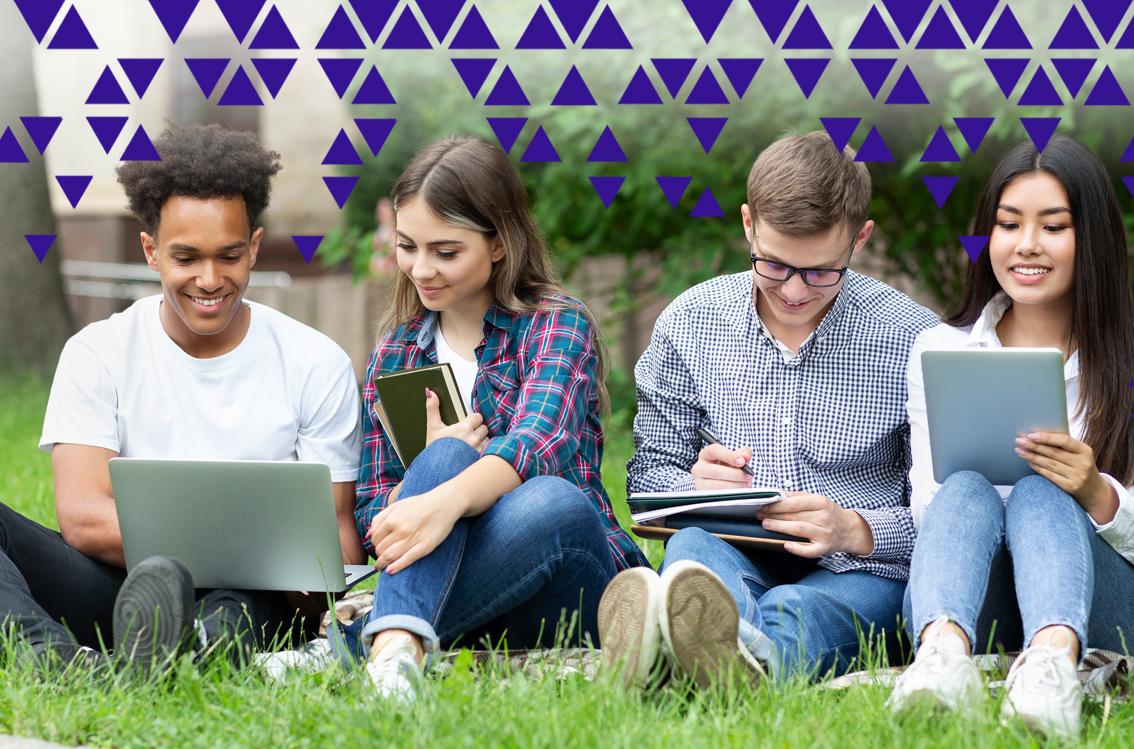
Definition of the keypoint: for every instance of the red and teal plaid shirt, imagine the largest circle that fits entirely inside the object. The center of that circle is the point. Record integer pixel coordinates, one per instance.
(535, 388)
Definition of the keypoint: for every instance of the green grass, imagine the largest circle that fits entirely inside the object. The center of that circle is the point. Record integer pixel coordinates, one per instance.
(217, 707)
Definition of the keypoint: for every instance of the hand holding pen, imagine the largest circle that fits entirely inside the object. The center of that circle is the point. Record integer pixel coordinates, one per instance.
(717, 467)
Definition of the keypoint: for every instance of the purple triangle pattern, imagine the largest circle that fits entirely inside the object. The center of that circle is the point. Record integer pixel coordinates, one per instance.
(840, 129)
(74, 187)
(641, 90)
(707, 130)
(374, 90)
(273, 72)
(1073, 33)
(940, 149)
(873, 71)
(1040, 129)
(340, 33)
(39, 15)
(1073, 71)
(740, 72)
(973, 130)
(340, 71)
(1007, 34)
(474, 71)
(273, 33)
(1040, 92)
(140, 72)
(574, 91)
(72, 33)
(10, 151)
(107, 130)
(1128, 155)
(407, 33)
(140, 148)
(240, 15)
(507, 130)
(507, 92)
(40, 244)
(1007, 72)
(474, 33)
(540, 33)
(606, 149)
(907, 15)
(807, 71)
(607, 188)
(773, 15)
(874, 33)
(607, 33)
(940, 188)
(440, 15)
(540, 149)
(207, 71)
(373, 15)
(674, 71)
(707, 90)
(574, 14)
(1107, 92)
(307, 244)
(342, 152)
(41, 130)
(375, 131)
(1107, 14)
(340, 188)
(973, 246)
(674, 188)
(707, 15)
(107, 90)
(174, 14)
(707, 206)
(973, 15)
(907, 90)
(807, 33)
(940, 33)
(873, 148)
(1129, 184)
(240, 92)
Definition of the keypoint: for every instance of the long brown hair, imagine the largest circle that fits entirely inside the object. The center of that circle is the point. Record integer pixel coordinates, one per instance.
(470, 183)
(1103, 313)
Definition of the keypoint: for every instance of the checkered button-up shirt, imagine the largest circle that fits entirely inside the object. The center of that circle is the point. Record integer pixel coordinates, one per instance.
(536, 389)
(831, 420)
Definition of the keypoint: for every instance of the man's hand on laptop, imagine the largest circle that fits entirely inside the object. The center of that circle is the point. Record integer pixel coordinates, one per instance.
(717, 467)
(829, 527)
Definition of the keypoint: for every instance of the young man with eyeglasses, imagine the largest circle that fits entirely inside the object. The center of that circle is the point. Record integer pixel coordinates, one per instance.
(799, 367)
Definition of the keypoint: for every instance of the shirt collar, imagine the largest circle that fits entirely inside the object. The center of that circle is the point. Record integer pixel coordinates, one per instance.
(984, 333)
(830, 320)
(422, 329)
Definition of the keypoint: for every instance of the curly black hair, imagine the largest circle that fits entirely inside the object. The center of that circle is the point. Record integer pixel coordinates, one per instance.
(200, 161)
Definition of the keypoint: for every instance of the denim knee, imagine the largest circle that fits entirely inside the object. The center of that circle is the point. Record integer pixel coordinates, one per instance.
(691, 543)
(550, 504)
(441, 461)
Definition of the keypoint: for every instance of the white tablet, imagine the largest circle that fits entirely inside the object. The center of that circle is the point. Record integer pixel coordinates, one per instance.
(979, 400)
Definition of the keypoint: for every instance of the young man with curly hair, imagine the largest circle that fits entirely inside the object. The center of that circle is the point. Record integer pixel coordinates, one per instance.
(195, 373)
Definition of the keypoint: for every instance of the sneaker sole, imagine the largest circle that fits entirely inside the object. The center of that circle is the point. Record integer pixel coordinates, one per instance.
(153, 612)
(701, 626)
(628, 625)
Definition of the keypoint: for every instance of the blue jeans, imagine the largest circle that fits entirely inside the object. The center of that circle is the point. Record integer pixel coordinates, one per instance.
(1003, 571)
(814, 619)
(535, 557)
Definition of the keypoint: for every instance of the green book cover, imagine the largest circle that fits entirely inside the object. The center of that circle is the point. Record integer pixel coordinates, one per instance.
(401, 405)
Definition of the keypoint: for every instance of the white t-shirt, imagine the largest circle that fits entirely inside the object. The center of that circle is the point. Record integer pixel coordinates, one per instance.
(463, 369)
(287, 392)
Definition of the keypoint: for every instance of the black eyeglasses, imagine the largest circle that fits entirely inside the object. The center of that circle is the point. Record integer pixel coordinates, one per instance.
(774, 271)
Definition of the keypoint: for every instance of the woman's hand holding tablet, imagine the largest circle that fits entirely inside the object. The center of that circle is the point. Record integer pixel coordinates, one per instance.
(1070, 465)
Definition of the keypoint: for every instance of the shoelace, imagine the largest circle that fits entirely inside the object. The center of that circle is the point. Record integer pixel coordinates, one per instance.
(1043, 659)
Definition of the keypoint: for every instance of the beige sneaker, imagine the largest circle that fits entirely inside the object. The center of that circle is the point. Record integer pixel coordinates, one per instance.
(942, 676)
(629, 629)
(394, 672)
(1044, 691)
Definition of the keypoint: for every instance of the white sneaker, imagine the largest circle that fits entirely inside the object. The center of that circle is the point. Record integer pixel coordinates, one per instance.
(628, 624)
(942, 676)
(1044, 691)
(700, 626)
(394, 671)
(314, 657)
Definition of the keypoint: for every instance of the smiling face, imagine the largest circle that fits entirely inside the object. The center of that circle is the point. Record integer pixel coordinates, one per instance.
(205, 254)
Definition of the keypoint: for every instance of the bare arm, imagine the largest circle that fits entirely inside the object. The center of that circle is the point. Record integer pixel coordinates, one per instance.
(348, 531)
(84, 501)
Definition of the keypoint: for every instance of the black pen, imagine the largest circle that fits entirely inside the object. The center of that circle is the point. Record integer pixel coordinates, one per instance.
(711, 439)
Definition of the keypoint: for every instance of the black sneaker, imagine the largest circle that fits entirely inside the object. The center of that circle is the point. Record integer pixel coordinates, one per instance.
(57, 658)
(153, 614)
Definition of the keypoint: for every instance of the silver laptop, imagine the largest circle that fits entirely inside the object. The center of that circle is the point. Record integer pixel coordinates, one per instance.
(237, 525)
(979, 400)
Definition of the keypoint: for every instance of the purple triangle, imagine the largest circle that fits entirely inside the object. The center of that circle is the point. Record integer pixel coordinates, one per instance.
(10, 151)
(940, 149)
(273, 33)
(1073, 71)
(373, 15)
(174, 14)
(1007, 34)
(308, 244)
(706, 90)
(707, 15)
(240, 15)
(1040, 129)
(41, 130)
(474, 33)
(341, 188)
(574, 14)
(873, 71)
(1129, 186)
(1107, 14)
(641, 90)
(39, 15)
(674, 188)
(273, 72)
(72, 33)
(1127, 40)
(740, 72)
(874, 33)
(574, 91)
(907, 90)
(1073, 34)
(1007, 72)
(973, 129)
(40, 244)
(342, 152)
(540, 149)
(340, 33)
(440, 15)
(940, 187)
(707, 206)
(375, 131)
(474, 71)
(1040, 92)
(807, 33)
(140, 148)
(340, 71)
(773, 15)
(140, 72)
(607, 188)
(240, 92)
(840, 129)
(107, 90)
(606, 149)
(1107, 92)
(507, 92)
(540, 33)
(973, 15)
(607, 33)
(74, 188)
(973, 246)
(940, 33)
(107, 130)
(907, 15)
(507, 130)
(207, 71)
(674, 71)
(807, 71)
(707, 130)
(1128, 155)
(407, 33)
(374, 90)
(873, 148)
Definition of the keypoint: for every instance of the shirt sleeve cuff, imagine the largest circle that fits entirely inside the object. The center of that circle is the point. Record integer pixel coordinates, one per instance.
(1124, 503)
(1119, 532)
(893, 542)
(513, 450)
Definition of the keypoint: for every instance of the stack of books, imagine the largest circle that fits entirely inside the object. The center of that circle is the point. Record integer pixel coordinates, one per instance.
(729, 514)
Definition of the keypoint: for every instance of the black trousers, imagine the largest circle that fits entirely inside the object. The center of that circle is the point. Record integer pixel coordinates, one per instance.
(51, 592)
